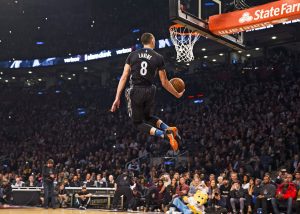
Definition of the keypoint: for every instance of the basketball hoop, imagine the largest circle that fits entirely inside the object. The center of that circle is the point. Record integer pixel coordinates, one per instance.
(184, 40)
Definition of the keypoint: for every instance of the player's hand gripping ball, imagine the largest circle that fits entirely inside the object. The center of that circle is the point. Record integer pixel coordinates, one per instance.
(178, 84)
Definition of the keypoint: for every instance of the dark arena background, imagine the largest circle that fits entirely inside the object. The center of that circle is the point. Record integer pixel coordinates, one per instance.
(63, 151)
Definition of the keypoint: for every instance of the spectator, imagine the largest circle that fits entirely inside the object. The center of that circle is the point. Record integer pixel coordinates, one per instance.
(250, 195)
(266, 192)
(225, 194)
(48, 184)
(285, 194)
(31, 182)
(182, 189)
(99, 182)
(214, 196)
(88, 181)
(111, 182)
(75, 182)
(18, 182)
(83, 198)
(62, 196)
(169, 194)
(237, 196)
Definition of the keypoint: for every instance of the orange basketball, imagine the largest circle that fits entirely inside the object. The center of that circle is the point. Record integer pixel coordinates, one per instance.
(178, 84)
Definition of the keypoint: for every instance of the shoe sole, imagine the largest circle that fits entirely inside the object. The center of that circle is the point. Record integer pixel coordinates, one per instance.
(173, 142)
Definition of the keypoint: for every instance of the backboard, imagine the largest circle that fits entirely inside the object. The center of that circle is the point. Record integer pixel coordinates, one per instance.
(194, 15)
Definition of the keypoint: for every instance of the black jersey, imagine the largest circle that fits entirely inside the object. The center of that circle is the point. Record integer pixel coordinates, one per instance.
(144, 65)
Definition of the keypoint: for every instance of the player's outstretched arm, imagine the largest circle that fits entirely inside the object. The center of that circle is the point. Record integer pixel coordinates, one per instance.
(167, 85)
(121, 87)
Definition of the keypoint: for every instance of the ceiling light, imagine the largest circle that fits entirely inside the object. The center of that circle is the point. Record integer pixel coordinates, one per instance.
(203, 49)
(240, 51)
(29, 72)
(221, 54)
(40, 80)
(61, 75)
(214, 60)
(257, 49)
(69, 78)
(74, 75)
(6, 80)
(85, 68)
(274, 37)
(205, 57)
(248, 55)
(13, 78)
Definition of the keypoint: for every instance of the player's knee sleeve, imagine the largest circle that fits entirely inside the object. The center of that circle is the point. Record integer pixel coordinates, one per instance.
(152, 120)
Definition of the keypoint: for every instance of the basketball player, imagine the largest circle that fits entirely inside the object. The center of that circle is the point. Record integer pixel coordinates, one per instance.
(142, 66)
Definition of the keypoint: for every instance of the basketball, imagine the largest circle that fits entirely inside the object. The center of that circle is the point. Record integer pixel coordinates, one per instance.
(178, 84)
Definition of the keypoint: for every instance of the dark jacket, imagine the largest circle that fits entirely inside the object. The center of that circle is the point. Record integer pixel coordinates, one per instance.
(268, 190)
(46, 174)
(237, 193)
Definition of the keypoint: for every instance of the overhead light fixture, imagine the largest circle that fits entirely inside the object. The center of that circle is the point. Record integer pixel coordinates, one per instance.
(187, 64)
(221, 54)
(205, 57)
(40, 80)
(74, 75)
(257, 49)
(6, 80)
(13, 78)
(0, 78)
(203, 49)
(240, 51)
(29, 72)
(248, 55)
(69, 78)
(61, 75)
(85, 68)
(274, 37)
(214, 60)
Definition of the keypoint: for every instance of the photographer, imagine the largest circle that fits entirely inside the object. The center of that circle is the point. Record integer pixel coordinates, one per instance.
(48, 183)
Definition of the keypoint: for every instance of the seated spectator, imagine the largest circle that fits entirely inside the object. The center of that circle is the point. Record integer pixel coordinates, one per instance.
(18, 182)
(214, 197)
(281, 176)
(31, 182)
(169, 194)
(83, 198)
(195, 185)
(266, 192)
(249, 201)
(285, 194)
(160, 193)
(66, 182)
(135, 200)
(88, 180)
(245, 184)
(224, 192)
(220, 181)
(237, 196)
(297, 179)
(75, 182)
(62, 196)
(182, 189)
(111, 182)
(99, 182)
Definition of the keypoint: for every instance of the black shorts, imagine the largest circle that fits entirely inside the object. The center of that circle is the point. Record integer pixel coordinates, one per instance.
(140, 102)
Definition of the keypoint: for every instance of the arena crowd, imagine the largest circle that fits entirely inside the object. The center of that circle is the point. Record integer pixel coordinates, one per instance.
(241, 142)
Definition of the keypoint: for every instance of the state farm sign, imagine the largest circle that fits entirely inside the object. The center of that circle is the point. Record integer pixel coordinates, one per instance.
(256, 17)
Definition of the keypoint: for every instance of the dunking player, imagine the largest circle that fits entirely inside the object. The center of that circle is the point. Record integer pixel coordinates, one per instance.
(142, 66)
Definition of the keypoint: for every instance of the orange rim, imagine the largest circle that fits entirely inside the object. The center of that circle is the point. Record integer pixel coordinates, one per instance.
(182, 33)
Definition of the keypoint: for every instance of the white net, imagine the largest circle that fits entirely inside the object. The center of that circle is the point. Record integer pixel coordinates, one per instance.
(184, 40)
